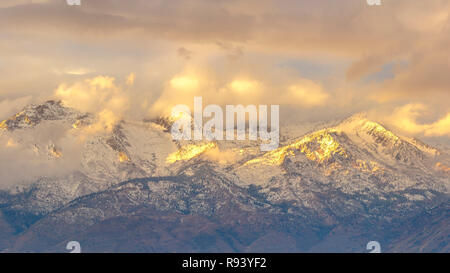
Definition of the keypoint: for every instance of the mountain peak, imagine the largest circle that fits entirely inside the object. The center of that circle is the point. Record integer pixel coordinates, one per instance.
(354, 137)
(34, 114)
(358, 117)
(359, 124)
(319, 146)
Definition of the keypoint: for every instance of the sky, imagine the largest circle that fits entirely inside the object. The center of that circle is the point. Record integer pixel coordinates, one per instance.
(319, 60)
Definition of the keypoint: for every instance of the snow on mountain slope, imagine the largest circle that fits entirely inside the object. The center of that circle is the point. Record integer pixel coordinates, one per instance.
(343, 168)
(33, 115)
(355, 144)
(354, 167)
(67, 159)
(75, 175)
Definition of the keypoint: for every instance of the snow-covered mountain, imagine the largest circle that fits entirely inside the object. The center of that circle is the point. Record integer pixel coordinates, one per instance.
(354, 174)
(98, 158)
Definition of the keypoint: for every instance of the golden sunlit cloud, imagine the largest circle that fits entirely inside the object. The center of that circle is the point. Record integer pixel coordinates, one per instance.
(92, 94)
(105, 122)
(181, 90)
(184, 82)
(77, 71)
(102, 82)
(99, 96)
(130, 79)
(307, 93)
(238, 91)
(222, 156)
(405, 119)
(244, 86)
(107, 119)
(252, 61)
(440, 127)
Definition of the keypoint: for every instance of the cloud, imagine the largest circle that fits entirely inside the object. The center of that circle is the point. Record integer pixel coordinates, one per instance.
(50, 152)
(222, 156)
(12, 3)
(439, 128)
(405, 119)
(75, 71)
(307, 55)
(9, 107)
(330, 25)
(99, 95)
(234, 89)
(233, 52)
(184, 53)
(130, 79)
(244, 86)
(184, 83)
(92, 95)
(307, 93)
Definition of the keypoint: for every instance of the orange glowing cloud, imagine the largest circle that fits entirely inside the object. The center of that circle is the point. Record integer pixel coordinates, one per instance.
(130, 79)
(405, 119)
(184, 82)
(244, 86)
(100, 96)
(307, 93)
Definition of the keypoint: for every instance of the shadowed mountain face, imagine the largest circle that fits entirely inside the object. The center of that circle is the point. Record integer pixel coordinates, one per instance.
(133, 189)
(427, 232)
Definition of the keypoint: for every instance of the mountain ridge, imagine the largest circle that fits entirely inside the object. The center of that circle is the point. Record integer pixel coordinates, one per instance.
(356, 169)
